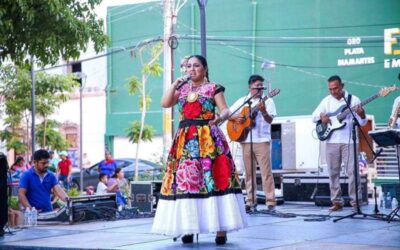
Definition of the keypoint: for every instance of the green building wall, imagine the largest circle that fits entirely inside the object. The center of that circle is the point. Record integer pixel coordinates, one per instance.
(318, 32)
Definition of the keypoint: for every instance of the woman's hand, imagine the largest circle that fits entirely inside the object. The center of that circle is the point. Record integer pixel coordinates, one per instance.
(238, 118)
(178, 82)
(215, 121)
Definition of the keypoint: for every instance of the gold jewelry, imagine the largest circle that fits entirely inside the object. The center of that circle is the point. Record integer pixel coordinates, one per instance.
(192, 95)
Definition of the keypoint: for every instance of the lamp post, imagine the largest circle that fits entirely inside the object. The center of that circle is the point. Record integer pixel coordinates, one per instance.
(202, 6)
(81, 76)
(33, 106)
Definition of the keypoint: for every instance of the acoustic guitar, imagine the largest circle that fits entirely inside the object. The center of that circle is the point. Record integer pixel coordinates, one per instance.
(324, 131)
(238, 131)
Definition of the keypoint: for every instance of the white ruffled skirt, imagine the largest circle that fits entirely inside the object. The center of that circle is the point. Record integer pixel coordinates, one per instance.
(200, 215)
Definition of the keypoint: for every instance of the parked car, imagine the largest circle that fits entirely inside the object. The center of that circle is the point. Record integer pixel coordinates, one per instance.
(147, 171)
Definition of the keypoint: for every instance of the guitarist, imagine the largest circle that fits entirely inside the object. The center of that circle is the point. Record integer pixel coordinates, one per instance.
(338, 145)
(394, 121)
(261, 134)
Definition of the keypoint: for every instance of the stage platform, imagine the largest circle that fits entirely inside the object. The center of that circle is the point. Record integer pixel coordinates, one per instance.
(264, 232)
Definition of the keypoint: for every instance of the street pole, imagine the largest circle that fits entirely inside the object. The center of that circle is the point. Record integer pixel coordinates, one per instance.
(168, 76)
(202, 5)
(81, 76)
(80, 136)
(33, 107)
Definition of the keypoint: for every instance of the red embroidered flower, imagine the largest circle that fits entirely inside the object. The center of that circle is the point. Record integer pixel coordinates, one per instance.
(221, 172)
(191, 110)
(190, 134)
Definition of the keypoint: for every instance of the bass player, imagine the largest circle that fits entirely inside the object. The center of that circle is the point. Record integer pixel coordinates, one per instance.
(394, 121)
(338, 145)
(261, 139)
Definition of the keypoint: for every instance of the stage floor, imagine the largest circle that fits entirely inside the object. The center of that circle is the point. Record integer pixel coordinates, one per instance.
(264, 232)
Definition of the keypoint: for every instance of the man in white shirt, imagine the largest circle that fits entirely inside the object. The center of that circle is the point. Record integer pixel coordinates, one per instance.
(339, 146)
(394, 120)
(261, 138)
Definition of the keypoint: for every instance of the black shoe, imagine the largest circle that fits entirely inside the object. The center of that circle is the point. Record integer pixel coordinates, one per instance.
(187, 238)
(221, 240)
(248, 209)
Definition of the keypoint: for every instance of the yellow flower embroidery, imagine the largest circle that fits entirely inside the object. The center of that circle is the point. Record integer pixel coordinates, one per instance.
(206, 143)
(181, 143)
(167, 183)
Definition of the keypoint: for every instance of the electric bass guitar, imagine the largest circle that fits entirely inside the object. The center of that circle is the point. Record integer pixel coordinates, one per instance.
(324, 131)
(238, 131)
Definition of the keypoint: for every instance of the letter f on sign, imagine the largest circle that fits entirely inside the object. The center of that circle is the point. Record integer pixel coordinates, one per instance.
(390, 39)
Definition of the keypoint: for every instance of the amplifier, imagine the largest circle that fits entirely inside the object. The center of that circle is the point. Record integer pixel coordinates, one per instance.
(91, 207)
(300, 187)
(142, 196)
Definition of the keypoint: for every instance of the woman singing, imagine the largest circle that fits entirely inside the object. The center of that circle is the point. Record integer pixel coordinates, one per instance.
(200, 191)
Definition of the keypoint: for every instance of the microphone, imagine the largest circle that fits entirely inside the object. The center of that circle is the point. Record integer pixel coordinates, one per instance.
(259, 88)
(185, 80)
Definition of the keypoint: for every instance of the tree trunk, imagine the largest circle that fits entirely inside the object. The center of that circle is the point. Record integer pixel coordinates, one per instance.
(141, 126)
(29, 153)
(44, 132)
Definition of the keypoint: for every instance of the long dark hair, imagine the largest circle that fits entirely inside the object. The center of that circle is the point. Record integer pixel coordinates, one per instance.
(17, 161)
(203, 62)
(117, 170)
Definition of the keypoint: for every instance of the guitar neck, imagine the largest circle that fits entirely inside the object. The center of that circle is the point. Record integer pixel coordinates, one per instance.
(343, 115)
(256, 109)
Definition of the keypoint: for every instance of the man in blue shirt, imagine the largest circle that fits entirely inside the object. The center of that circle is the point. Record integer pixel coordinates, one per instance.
(37, 184)
(108, 165)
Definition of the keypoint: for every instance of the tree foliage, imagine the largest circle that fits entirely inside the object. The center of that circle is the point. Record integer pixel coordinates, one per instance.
(134, 130)
(48, 29)
(15, 89)
(48, 136)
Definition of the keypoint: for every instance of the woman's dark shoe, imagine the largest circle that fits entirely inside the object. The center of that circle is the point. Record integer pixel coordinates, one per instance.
(187, 238)
(221, 240)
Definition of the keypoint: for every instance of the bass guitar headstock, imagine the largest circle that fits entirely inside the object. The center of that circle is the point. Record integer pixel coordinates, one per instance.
(385, 91)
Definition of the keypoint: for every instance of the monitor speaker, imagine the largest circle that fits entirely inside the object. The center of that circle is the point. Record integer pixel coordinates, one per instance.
(92, 207)
(142, 196)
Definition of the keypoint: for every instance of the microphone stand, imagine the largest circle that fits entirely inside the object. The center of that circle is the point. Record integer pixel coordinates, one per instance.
(253, 171)
(356, 172)
(249, 102)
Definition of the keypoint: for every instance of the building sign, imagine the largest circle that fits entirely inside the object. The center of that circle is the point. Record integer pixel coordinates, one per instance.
(392, 47)
(354, 55)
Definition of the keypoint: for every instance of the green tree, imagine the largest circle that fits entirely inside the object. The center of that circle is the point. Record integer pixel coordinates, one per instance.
(150, 62)
(48, 136)
(15, 87)
(48, 29)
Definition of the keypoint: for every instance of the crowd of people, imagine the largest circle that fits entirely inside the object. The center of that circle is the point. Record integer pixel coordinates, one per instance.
(48, 179)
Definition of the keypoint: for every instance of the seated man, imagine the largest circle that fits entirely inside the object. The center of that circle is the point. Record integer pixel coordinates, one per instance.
(37, 184)
(102, 186)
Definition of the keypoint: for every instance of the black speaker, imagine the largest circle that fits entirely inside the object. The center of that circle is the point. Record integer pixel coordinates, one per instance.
(3, 192)
(92, 207)
(301, 187)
